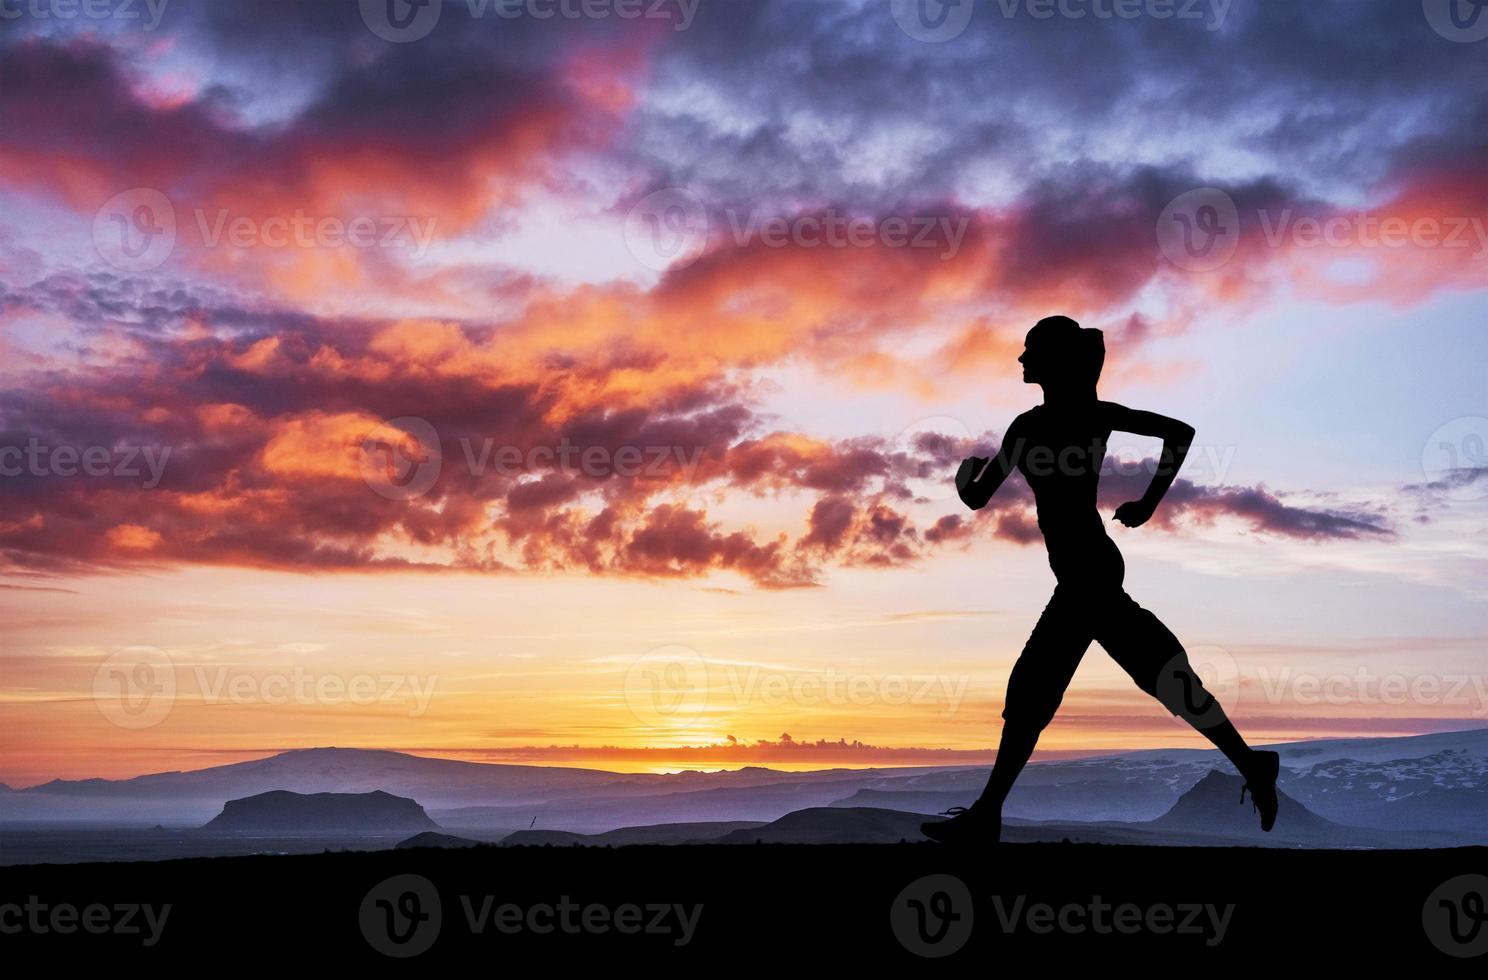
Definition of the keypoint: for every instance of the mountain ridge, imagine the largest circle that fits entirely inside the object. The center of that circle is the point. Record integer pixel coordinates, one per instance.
(280, 812)
(1355, 782)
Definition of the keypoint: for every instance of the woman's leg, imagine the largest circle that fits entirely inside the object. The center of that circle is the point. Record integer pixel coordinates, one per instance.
(1036, 687)
(1149, 652)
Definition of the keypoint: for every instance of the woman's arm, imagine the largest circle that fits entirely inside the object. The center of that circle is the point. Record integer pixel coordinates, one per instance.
(979, 477)
(1177, 439)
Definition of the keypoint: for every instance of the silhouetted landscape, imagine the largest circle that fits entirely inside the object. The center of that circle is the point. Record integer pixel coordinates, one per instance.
(755, 907)
(1424, 791)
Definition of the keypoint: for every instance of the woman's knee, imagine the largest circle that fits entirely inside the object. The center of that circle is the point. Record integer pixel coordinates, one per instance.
(1030, 707)
(1181, 690)
(1027, 716)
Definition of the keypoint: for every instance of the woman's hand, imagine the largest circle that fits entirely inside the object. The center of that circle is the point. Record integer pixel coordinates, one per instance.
(973, 494)
(1134, 513)
(970, 467)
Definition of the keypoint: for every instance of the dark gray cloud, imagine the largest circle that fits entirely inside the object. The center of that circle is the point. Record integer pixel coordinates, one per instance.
(806, 96)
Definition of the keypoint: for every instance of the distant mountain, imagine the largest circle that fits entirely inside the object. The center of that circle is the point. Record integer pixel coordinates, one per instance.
(833, 825)
(1422, 784)
(758, 802)
(449, 782)
(1310, 752)
(1114, 791)
(1417, 783)
(589, 800)
(281, 813)
(666, 833)
(1212, 807)
(1210, 814)
(430, 838)
(922, 801)
(1446, 790)
(1207, 814)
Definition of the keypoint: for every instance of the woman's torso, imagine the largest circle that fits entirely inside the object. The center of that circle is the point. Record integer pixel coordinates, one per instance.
(1061, 455)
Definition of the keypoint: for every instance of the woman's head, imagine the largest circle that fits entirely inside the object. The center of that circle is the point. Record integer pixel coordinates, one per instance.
(1059, 353)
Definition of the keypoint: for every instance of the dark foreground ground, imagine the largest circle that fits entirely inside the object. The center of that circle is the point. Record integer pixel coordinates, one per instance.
(762, 907)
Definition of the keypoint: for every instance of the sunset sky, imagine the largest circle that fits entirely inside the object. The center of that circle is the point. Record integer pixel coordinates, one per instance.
(587, 390)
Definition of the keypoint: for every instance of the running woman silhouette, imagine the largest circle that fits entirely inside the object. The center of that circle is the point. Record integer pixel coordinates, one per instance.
(1059, 448)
